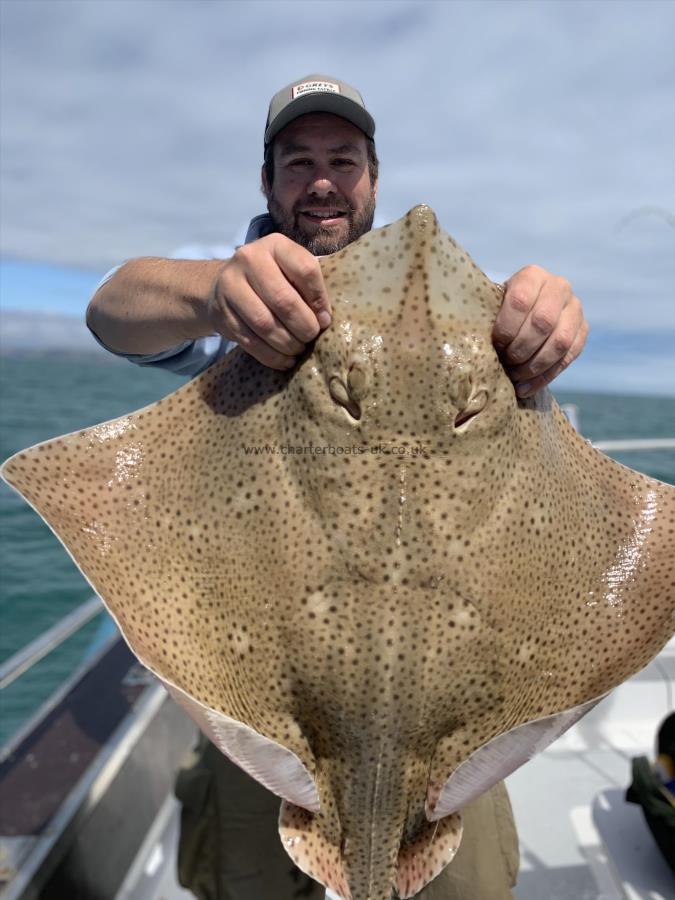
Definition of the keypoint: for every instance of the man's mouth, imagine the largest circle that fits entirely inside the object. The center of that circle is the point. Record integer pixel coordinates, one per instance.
(323, 216)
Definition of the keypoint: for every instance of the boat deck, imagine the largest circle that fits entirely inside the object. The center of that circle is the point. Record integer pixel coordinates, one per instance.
(579, 838)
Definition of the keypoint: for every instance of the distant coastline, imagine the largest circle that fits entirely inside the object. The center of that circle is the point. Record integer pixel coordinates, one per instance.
(95, 354)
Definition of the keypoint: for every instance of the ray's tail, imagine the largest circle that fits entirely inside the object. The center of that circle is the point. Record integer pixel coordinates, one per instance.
(369, 859)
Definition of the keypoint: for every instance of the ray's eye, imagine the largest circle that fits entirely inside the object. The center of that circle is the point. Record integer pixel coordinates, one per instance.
(357, 380)
(350, 394)
(475, 405)
(340, 393)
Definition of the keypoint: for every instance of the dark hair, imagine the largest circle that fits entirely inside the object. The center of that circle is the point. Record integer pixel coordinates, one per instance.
(373, 162)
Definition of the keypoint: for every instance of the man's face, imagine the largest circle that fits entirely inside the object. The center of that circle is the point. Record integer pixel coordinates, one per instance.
(322, 196)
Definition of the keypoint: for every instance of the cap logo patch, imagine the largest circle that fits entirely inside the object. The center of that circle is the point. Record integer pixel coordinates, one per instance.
(313, 87)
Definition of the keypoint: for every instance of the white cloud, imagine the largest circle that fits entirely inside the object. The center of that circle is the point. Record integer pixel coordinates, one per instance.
(531, 128)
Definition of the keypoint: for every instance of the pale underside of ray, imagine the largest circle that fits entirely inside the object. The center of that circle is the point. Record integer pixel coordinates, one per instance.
(219, 560)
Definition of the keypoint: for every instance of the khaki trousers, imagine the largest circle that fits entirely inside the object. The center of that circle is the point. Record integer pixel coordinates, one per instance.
(230, 848)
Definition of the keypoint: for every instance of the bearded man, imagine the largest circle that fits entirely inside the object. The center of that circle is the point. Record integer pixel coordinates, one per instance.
(320, 177)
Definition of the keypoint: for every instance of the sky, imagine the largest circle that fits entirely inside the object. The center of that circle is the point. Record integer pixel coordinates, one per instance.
(540, 132)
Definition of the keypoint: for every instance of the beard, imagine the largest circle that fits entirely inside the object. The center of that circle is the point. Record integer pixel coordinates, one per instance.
(354, 224)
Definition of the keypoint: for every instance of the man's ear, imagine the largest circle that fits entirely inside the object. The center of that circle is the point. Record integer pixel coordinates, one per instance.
(264, 186)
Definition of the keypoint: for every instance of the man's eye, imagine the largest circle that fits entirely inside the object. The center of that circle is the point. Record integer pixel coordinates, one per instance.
(298, 163)
(343, 162)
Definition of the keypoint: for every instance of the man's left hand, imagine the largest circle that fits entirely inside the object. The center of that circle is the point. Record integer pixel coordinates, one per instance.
(540, 328)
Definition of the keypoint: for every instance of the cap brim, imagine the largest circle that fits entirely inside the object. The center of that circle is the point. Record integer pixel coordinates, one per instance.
(335, 104)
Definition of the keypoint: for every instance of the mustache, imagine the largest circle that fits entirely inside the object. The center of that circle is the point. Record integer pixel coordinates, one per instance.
(341, 206)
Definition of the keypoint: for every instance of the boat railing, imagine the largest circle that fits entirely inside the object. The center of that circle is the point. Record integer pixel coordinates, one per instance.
(620, 445)
(107, 738)
(635, 444)
(23, 660)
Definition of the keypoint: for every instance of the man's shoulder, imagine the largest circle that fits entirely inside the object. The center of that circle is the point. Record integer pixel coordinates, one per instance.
(259, 226)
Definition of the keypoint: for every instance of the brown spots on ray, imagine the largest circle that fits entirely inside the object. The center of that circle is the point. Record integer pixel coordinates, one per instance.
(378, 577)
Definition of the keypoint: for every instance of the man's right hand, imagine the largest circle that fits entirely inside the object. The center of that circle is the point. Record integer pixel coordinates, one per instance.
(271, 299)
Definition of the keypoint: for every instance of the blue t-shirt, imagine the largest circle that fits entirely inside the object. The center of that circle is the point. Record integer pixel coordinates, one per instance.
(189, 358)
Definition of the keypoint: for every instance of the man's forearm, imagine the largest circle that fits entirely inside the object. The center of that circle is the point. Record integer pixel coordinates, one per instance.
(151, 304)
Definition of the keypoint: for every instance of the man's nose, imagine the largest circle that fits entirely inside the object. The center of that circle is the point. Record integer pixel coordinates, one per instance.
(321, 185)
